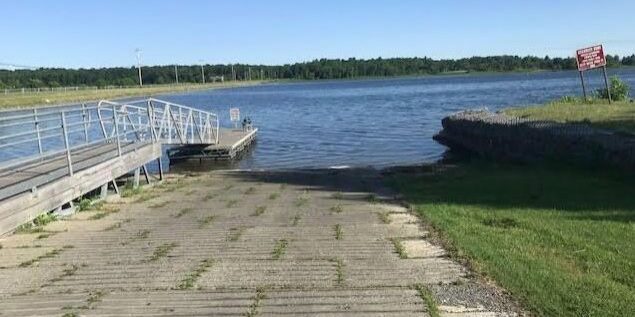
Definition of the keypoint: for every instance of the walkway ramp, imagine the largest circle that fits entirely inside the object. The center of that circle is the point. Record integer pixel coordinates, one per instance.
(53, 155)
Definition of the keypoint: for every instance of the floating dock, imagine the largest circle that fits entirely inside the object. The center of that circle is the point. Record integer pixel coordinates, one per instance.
(232, 142)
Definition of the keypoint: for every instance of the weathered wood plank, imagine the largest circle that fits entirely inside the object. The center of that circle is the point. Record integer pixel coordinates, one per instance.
(23, 207)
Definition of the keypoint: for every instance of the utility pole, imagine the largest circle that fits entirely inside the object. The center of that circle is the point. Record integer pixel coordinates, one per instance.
(176, 73)
(202, 71)
(233, 74)
(138, 51)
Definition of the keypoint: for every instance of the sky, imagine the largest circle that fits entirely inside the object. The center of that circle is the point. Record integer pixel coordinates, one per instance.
(104, 33)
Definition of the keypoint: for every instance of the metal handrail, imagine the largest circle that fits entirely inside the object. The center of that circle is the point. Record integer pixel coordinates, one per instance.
(107, 122)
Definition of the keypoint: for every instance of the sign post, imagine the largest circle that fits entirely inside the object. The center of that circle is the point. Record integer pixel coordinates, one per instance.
(591, 58)
(234, 115)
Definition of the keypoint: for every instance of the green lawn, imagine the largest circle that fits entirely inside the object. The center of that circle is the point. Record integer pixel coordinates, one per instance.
(617, 116)
(562, 240)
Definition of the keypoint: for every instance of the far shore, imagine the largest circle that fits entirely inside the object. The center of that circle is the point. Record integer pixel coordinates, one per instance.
(44, 99)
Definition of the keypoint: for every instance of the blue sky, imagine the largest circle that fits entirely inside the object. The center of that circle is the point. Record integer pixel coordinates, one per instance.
(105, 33)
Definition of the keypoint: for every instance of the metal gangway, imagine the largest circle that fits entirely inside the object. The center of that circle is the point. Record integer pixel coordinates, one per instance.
(79, 148)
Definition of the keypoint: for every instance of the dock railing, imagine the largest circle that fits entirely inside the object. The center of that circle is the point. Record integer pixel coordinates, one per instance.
(35, 135)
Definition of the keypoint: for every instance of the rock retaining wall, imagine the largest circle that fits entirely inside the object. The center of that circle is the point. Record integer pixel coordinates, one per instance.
(499, 136)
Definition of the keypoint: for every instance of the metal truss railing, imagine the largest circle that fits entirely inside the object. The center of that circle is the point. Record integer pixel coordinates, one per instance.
(33, 135)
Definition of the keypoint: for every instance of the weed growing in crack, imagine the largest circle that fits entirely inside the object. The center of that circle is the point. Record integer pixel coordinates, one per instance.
(339, 270)
(161, 251)
(338, 231)
(234, 234)
(253, 308)
(231, 203)
(428, 298)
(250, 190)
(274, 196)
(279, 249)
(50, 254)
(159, 205)
(302, 199)
(259, 211)
(337, 195)
(296, 219)
(372, 198)
(399, 248)
(337, 208)
(383, 217)
(209, 196)
(206, 220)
(183, 212)
(189, 281)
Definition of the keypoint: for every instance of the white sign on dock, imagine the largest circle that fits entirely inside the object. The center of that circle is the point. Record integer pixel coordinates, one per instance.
(234, 114)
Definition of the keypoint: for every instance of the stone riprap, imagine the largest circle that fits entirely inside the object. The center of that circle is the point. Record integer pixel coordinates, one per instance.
(499, 136)
(324, 243)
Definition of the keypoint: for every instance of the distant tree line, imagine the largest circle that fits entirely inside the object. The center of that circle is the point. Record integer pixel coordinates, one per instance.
(317, 69)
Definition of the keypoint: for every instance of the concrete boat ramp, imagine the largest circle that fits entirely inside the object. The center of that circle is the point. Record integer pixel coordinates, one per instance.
(295, 243)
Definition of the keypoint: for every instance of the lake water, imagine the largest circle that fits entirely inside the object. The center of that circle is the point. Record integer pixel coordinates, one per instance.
(375, 122)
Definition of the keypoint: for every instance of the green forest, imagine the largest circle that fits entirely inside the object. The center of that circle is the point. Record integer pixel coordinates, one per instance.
(317, 69)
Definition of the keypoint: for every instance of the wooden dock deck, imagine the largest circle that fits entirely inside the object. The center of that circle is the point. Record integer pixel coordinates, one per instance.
(41, 186)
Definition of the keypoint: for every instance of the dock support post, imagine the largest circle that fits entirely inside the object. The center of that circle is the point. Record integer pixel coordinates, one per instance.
(145, 173)
(103, 191)
(160, 168)
(114, 185)
(135, 182)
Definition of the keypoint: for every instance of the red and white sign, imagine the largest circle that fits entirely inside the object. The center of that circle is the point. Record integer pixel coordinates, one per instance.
(590, 58)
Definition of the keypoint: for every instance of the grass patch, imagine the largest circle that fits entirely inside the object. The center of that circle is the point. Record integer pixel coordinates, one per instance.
(161, 251)
(274, 196)
(428, 298)
(337, 208)
(338, 231)
(337, 195)
(130, 191)
(557, 237)
(183, 212)
(228, 187)
(372, 198)
(37, 224)
(189, 281)
(598, 113)
(84, 204)
(259, 211)
(279, 249)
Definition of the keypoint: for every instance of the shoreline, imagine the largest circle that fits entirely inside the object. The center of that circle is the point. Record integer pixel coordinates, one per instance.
(17, 101)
